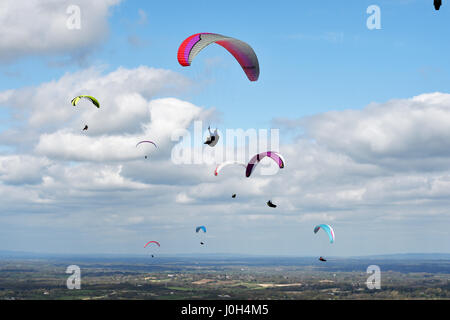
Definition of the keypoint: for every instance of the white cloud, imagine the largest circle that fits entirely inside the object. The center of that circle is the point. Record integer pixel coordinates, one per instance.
(407, 134)
(40, 27)
(387, 163)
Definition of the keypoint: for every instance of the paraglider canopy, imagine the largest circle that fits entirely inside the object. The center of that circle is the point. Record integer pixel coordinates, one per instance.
(437, 4)
(257, 158)
(156, 242)
(200, 228)
(90, 98)
(328, 229)
(146, 141)
(241, 51)
(270, 204)
(227, 163)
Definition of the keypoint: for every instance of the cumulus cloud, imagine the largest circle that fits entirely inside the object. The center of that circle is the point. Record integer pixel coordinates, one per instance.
(408, 133)
(360, 170)
(40, 27)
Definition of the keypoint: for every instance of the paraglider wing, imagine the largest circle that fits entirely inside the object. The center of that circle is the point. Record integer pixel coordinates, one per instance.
(270, 204)
(437, 4)
(257, 158)
(90, 98)
(200, 228)
(146, 141)
(152, 242)
(241, 51)
(227, 163)
(328, 229)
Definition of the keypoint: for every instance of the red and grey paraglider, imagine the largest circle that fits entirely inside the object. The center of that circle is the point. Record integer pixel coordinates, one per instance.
(241, 51)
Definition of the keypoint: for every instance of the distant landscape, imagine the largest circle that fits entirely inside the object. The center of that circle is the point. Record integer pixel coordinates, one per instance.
(403, 276)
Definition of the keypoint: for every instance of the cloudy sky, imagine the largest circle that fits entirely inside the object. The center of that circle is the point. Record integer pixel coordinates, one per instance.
(363, 120)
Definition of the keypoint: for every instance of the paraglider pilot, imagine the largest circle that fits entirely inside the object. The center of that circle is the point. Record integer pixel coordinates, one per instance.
(213, 138)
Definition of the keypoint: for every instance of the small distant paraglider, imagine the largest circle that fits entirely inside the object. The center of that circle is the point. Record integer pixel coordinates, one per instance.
(213, 138)
(94, 101)
(146, 141)
(234, 195)
(197, 229)
(329, 231)
(155, 242)
(437, 4)
(270, 204)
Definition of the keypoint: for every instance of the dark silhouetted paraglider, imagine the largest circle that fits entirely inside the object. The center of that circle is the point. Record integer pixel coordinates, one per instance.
(322, 259)
(234, 195)
(270, 204)
(437, 4)
(213, 138)
(85, 127)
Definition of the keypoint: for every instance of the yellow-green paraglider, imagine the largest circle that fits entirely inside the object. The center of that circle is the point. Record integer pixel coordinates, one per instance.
(90, 98)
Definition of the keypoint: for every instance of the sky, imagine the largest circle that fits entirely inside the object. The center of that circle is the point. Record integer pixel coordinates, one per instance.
(361, 117)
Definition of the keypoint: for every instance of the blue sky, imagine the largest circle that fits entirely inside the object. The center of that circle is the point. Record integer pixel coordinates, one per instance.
(321, 67)
(304, 48)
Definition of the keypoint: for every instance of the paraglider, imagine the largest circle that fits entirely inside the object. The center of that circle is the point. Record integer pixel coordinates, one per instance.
(257, 158)
(225, 164)
(198, 229)
(90, 98)
(241, 51)
(213, 138)
(328, 229)
(94, 101)
(234, 195)
(437, 4)
(146, 141)
(270, 204)
(155, 242)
